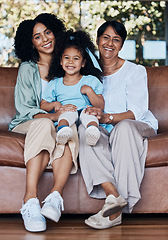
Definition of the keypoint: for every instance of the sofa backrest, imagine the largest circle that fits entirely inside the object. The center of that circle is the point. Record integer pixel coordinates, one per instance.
(157, 84)
(7, 106)
(158, 95)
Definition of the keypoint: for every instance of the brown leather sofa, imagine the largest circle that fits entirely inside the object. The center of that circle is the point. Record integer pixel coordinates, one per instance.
(154, 188)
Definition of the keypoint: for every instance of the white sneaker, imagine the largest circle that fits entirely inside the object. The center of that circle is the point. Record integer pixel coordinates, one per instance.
(33, 220)
(53, 204)
(92, 135)
(113, 205)
(97, 221)
(63, 135)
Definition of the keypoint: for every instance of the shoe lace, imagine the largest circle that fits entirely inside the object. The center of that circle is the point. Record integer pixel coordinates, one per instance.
(56, 200)
(30, 210)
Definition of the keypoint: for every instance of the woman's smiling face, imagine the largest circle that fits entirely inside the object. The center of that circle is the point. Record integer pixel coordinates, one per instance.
(43, 39)
(109, 43)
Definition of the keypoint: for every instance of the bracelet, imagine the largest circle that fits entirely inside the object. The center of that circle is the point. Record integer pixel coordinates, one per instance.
(110, 117)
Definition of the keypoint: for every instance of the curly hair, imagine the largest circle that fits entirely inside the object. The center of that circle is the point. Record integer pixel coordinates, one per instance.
(81, 41)
(24, 49)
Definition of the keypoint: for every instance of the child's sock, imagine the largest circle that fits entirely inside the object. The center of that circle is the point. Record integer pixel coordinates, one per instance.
(64, 133)
(59, 128)
(92, 135)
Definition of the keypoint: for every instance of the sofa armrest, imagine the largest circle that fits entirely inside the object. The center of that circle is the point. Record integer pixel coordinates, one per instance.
(157, 154)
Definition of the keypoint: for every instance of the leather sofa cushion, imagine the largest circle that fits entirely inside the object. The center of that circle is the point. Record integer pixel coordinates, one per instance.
(12, 150)
(157, 154)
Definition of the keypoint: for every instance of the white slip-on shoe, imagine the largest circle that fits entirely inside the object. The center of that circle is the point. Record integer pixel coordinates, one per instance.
(31, 214)
(53, 204)
(98, 222)
(113, 205)
(92, 134)
(63, 135)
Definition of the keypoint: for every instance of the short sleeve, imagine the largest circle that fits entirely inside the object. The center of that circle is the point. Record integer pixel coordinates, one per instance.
(49, 93)
(96, 85)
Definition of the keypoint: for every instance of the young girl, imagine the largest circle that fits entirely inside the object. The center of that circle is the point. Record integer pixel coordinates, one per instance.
(76, 86)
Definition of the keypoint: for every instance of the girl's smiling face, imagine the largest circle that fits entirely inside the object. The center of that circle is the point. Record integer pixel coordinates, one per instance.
(72, 61)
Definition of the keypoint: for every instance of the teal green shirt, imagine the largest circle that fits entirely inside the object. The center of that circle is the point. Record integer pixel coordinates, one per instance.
(27, 94)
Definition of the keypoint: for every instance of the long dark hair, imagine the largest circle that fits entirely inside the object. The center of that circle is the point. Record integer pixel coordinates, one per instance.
(81, 41)
(24, 49)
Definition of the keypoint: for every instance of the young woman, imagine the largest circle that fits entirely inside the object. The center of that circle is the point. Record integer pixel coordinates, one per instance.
(76, 86)
(36, 42)
(119, 156)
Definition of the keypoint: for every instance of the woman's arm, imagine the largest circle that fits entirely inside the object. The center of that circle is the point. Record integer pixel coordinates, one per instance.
(137, 98)
(55, 116)
(49, 106)
(109, 118)
(28, 92)
(105, 117)
(96, 100)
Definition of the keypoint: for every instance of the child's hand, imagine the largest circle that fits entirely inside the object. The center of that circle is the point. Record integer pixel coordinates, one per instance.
(85, 89)
(57, 106)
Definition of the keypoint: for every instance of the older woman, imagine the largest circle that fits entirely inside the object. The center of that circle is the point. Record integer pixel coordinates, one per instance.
(114, 168)
(35, 43)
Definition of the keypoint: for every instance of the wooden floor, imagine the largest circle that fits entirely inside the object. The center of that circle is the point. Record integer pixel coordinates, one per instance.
(72, 227)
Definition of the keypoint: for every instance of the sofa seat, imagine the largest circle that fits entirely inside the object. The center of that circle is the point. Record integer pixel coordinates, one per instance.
(12, 150)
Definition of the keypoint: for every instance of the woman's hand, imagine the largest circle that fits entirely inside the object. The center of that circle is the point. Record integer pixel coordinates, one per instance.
(62, 109)
(68, 108)
(101, 116)
(97, 112)
(54, 116)
(94, 111)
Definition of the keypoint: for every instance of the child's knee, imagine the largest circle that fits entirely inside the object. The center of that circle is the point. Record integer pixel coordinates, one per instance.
(70, 117)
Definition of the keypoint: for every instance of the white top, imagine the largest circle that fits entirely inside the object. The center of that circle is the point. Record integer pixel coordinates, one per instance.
(127, 89)
(43, 86)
